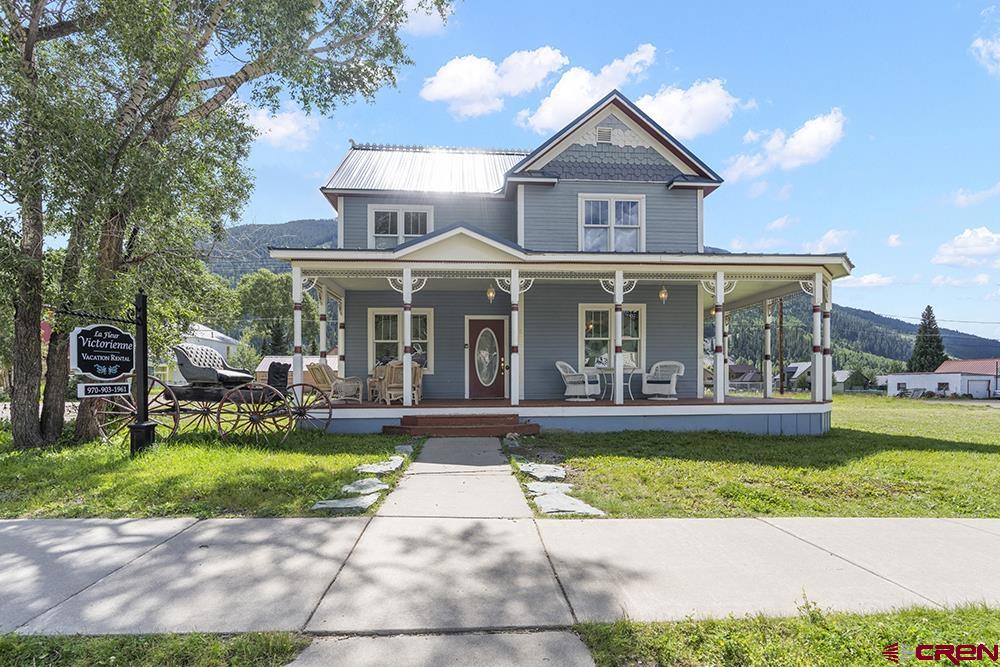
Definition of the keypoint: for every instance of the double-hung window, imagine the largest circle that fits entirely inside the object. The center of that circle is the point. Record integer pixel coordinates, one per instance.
(391, 225)
(597, 347)
(385, 336)
(612, 223)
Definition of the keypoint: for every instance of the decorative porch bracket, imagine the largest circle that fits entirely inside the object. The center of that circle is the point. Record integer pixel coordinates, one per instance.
(524, 284)
(709, 286)
(416, 284)
(627, 286)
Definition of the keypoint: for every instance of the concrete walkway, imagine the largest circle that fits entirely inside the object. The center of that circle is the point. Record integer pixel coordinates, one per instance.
(454, 564)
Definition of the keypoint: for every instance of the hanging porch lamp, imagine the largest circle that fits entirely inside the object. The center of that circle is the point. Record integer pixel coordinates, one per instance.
(664, 295)
(491, 293)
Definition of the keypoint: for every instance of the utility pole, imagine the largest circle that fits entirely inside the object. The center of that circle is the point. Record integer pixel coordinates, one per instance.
(781, 346)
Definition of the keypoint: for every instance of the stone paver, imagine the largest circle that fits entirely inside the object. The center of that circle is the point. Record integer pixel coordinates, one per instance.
(945, 561)
(444, 574)
(45, 561)
(524, 648)
(457, 455)
(463, 495)
(221, 575)
(668, 569)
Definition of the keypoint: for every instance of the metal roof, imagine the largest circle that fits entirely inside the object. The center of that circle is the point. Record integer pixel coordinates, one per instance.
(973, 366)
(423, 169)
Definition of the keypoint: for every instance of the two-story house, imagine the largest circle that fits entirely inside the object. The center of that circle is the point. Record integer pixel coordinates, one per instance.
(487, 267)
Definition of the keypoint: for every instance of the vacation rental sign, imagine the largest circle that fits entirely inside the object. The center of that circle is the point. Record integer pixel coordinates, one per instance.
(101, 352)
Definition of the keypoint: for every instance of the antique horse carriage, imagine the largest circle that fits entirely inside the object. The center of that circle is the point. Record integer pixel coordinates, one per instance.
(216, 396)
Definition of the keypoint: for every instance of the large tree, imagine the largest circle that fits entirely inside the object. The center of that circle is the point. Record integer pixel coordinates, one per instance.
(121, 129)
(265, 303)
(928, 348)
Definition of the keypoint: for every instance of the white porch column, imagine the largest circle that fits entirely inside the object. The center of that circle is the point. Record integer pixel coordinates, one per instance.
(827, 346)
(322, 324)
(768, 367)
(619, 371)
(719, 383)
(296, 325)
(515, 354)
(407, 342)
(725, 353)
(818, 382)
(342, 337)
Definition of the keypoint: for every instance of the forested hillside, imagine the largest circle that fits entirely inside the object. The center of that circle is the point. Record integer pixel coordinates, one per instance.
(244, 249)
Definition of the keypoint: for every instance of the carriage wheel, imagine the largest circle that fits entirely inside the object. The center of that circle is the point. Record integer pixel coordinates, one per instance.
(309, 404)
(198, 415)
(256, 411)
(115, 413)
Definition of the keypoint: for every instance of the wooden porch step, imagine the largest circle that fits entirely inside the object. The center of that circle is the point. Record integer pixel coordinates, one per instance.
(457, 430)
(459, 420)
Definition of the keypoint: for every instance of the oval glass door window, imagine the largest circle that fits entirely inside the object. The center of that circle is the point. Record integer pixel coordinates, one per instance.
(487, 357)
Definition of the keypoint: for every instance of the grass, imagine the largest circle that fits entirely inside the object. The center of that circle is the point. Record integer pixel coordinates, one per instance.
(194, 474)
(194, 650)
(885, 457)
(812, 638)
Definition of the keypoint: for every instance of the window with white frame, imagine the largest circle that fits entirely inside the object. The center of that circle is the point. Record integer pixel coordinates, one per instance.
(391, 225)
(612, 223)
(385, 336)
(597, 335)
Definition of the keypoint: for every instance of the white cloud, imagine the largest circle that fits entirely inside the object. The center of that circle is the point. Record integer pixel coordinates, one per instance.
(474, 86)
(758, 245)
(758, 188)
(894, 241)
(578, 88)
(424, 21)
(867, 280)
(751, 137)
(781, 223)
(290, 130)
(970, 248)
(687, 113)
(951, 281)
(963, 198)
(810, 143)
(987, 52)
(834, 240)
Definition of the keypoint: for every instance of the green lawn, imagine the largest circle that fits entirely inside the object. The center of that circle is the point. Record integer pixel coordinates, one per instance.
(812, 638)
(194, 474)
(266, 649)
(885, 457)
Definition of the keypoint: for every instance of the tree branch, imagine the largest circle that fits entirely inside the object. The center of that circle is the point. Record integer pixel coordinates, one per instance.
(67, 27)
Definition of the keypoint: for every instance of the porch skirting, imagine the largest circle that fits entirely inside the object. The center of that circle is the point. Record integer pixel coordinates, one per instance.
(757, 417)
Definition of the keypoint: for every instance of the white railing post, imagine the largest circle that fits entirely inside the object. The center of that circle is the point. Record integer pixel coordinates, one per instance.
(515, 354)
(818, 382)
(827, 346)
(341, 337)
(407, 341)
(768, 366)
(619, 370)
(322, 324)
(296, 325)
(719, 383)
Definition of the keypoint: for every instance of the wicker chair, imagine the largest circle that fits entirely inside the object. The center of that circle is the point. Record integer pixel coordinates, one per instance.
(391, 387)
(582, 386)
(338, 388)
(660, 383)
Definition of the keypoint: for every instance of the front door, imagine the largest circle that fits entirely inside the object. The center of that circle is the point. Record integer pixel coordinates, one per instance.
(487, 357)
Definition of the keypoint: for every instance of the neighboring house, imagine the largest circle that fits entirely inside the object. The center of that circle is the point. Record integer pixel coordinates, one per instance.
(976, 377)
(848, 380)
(798, 372)
(492, 265)
(198, 334)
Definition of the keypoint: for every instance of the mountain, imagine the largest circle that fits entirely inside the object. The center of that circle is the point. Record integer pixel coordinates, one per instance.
(244, 248)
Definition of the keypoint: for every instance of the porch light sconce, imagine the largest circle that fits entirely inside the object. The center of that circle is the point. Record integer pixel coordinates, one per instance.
(712, 312)
(491, 293)
(663, 294)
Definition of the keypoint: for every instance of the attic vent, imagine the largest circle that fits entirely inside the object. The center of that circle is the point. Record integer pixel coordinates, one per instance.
(604, 135)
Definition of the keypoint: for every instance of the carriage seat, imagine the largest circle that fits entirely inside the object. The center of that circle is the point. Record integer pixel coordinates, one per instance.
(200, 364)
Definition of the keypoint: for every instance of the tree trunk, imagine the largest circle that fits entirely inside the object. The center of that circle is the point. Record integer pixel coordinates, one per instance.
(27, 335)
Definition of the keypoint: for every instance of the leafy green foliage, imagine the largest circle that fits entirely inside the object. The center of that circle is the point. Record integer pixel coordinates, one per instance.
(884, 457)
(814, 637)
(245, 355)
(928, 350)
(266, 310)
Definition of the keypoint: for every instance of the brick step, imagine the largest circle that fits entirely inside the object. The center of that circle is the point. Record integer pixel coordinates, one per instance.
(457, 430)
(457, 420)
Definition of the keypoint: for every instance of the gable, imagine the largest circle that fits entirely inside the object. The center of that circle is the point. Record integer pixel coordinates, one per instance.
(460, 243)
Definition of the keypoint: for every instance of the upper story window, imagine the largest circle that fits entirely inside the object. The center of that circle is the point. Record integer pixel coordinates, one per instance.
(612, 223)
(391, 225)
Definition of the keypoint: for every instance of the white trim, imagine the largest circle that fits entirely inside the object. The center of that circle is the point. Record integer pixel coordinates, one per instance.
(424, 243)
(701, 220)
(399, 210)
(429, 312)
(541, 180)
(612, 199)
(638, 409)
(340, 222)
(520, 215)
(504, 348)
(700, 339)
(700, 185)
(610, 308)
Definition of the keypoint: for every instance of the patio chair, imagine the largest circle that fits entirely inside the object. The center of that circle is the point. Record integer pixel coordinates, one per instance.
(660, 383)
(582, 386)
(391, 388)
(338, 388)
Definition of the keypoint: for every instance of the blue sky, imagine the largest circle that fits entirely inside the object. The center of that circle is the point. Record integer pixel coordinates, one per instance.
(868, 127)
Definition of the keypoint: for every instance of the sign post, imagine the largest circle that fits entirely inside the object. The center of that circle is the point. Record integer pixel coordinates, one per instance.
(142, 432)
